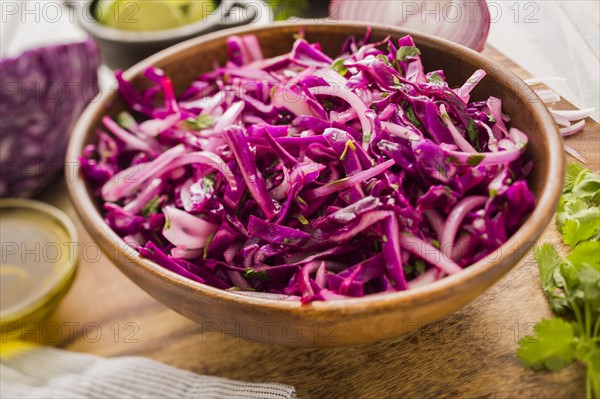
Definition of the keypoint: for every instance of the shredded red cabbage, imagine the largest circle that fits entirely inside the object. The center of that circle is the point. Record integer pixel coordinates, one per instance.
(309, 177)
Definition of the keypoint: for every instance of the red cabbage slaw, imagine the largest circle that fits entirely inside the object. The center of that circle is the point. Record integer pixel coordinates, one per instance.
(312, 177)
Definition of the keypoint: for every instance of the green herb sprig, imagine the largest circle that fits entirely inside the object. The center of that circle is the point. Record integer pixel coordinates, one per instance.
(571, 284)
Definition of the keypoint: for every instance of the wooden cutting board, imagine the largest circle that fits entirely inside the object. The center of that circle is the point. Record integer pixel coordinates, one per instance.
(471, 353)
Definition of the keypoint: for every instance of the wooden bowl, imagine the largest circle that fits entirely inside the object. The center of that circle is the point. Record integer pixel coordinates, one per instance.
(351, 321)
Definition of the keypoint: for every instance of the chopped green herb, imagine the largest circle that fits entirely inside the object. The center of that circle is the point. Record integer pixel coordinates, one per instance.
(473, 133)
(436, 79)
(475, 160)
(412, 118)
(376, 246)
(328, 105)
(405, 52)
(366, 137)
(151, 207)
(167, 223)
(126, 120)
(571, 284)
(242, 202)
(200, 122)
(451, 159)
(339, 67)
(209, 240)
(302, 219)
(253, 274)
(384, 58)
(491, 119)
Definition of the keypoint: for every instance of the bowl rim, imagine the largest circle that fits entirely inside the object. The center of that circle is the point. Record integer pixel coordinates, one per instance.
(528, 233)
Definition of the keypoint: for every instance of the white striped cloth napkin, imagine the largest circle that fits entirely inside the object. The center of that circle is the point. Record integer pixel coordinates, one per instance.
(53, 373)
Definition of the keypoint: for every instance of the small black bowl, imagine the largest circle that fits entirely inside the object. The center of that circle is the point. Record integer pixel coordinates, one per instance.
(121, 49)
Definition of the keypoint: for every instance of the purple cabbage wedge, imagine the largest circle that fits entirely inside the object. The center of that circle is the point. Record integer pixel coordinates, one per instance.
(44, 91)
(311, 177)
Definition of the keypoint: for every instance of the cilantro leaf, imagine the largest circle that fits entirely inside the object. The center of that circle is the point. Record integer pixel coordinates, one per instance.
(573, 170)
(572, 207)
(412, 118)
(581, 227)
(475, 160)
(473, 132)
(436, 79)
(548, 261)
(151, 207)
(589, 288)
(202, 121)
(587, 186)
(253, 274)
(554, 274)
(552, 348)
(571, 284)
(405, 52)
(586, 254)
(126, 120)
(339, 67)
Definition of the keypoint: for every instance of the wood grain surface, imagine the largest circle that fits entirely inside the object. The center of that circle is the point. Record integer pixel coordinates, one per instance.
(471, 353)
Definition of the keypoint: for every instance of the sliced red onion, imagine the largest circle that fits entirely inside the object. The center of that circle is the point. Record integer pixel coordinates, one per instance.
(571, 130)
(426, 278)
(429, 253)
(560, 120)
(186, 231)
(465, 90)
(129, 180)
(132, 141)
(154, 127)
(186, 253)
(400, 131)
(574, 153)
(153, 189)
(355, 102)
(455, 218)
(465, 22)
(547, 96)
(573, 115)
(460, 140)
(342, 184)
